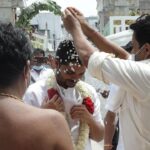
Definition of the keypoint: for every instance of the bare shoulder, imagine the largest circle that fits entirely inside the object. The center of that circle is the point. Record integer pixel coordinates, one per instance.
(51, 129)
(32, 128)
(52, 119)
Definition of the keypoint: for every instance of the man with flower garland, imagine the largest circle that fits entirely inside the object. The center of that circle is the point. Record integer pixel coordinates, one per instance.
(133, 78)
(77, 100)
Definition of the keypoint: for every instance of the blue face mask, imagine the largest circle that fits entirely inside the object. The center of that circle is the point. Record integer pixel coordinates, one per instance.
(38, 68)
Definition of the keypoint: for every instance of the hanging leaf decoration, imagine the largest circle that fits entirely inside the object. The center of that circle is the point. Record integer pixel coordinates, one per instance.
(29, 12)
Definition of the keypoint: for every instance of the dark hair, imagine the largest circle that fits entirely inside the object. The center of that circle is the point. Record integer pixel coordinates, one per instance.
(15, 50)
(141, 29)
(38, 51)
(66, 53)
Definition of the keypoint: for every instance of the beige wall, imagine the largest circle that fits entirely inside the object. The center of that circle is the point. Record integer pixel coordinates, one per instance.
(6, 15)
(119, 8)
(7, 9)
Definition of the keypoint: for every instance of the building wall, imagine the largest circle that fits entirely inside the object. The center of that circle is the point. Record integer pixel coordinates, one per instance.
(7, 9)
(144, 6)
(108, 8)
(6, 15)
(53, 23)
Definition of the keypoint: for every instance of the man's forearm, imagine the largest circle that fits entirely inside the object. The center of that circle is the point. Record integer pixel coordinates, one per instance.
(83, 47)
(109, 129)
(96, 130)
(102, 43)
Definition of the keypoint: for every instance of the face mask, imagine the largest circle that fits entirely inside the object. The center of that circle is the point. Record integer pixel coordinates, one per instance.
(135, 56)
(38, 68)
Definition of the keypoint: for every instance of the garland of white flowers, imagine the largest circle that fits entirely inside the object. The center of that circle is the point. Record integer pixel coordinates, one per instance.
(83, 128)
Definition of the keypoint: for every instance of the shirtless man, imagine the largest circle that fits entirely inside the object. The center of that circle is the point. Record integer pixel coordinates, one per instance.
(24, 127)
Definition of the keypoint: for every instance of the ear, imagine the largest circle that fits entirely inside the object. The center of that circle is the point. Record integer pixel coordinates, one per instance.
(26, 71)
(147, 48)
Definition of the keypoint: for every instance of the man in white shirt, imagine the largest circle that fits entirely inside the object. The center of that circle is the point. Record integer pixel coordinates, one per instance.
(111, 120)
(38, 70)
(112, 135)
(69, 97)
(132, 77)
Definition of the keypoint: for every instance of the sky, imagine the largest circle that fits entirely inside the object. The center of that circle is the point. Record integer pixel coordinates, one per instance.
(87, 7)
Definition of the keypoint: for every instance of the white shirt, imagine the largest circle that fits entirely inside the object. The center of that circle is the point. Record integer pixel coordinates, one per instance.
(100, 86)
(113, 104)
(36, 93)
(134, 80)
(43, 74)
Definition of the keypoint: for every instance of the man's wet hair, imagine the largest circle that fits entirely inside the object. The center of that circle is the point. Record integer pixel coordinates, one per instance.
(141, 29)
(67, 54)
(15, 50)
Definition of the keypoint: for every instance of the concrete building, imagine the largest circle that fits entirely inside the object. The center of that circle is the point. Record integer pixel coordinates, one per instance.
(107, 8)
(8, 9)
(50, 23)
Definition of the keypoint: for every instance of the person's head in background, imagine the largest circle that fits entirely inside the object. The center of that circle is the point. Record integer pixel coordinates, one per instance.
(15, 56)
(141, 37)
(37, 59)
(69, 68)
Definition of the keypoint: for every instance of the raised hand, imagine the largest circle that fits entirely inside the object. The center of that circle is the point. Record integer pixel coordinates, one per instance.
(77, 14)
(54, 103)
(83, 22)
(71, 23)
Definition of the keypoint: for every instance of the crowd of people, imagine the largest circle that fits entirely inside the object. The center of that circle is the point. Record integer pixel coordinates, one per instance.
(55, 109)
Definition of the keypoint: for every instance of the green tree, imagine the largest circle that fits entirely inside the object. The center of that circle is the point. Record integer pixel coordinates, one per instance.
(29, 12)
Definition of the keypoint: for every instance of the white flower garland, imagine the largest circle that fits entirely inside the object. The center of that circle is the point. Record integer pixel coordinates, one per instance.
(83, 128)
